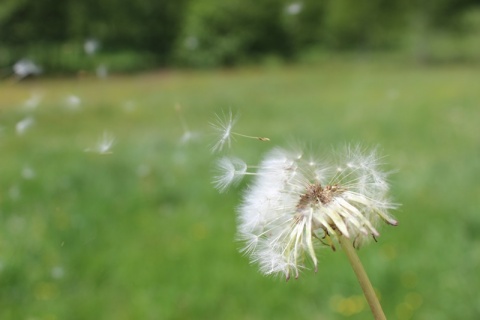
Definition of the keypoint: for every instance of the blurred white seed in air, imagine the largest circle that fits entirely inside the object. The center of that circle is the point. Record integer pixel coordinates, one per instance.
(294, 8)
(57, 272)
(129, 106)
(102, 71)
(28, 173)
(187, 135)
(191, 43)
(104, 144)
(23, 125)
(91, 46)
(33, 102)
(26, 67)
(73, 102)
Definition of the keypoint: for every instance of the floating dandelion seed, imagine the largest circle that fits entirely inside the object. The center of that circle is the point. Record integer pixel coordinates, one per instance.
(129, 106)
(23, 125)
(33, 102)
(223, 125)
(28, 173)
(102, 71)
(230, 171)
(25, 67)
(295, 201)
(57, 272)
(14, 192)
(191, 43)
(104, 144)
(294, 8)
(90, 46)
(188, 135)
(73, 102)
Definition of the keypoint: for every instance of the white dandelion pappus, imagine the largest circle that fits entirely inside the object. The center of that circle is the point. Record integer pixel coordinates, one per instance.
(187, 135)
(223, 125)
(33, 102)
(104, 145)
(294, 201)
(230, 171)
(73, 102)
(294, 8)
(26, 67)
(90, 46)
(23, 125)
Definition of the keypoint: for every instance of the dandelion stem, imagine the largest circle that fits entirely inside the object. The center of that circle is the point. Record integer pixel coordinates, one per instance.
(362, 277)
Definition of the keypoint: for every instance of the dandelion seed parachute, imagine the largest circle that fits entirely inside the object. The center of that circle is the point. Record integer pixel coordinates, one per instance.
(230, 171)
(223, 126)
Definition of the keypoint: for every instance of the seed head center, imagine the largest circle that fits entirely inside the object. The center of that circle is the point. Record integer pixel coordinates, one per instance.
(315, 195)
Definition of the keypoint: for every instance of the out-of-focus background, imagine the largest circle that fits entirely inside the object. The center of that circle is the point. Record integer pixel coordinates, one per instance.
(106, 206)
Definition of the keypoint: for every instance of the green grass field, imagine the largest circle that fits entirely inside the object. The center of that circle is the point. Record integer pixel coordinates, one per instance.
(140, 233)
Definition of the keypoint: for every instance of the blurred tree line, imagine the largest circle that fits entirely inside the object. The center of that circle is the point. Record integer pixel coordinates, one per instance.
(132, 35)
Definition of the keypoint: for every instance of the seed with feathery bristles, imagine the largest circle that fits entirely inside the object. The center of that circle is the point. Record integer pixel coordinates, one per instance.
(230, 171)
(223, 125)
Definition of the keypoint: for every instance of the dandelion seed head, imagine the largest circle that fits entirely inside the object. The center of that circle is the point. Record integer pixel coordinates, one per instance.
(14, 192)
(293, 199)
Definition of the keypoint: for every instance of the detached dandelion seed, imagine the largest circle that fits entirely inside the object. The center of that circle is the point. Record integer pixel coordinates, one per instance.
(294, 8)
(33, 102)
(91, 46)
(73, 102)
(223, 125)
(230, 171)
(25, 68)
(104, 145)
(188, 135)
(23, 125)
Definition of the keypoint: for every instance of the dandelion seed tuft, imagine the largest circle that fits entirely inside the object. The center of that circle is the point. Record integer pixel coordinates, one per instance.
(187, 135)
(230, 171)
(104, 144)
(23, 125)
(223, 126)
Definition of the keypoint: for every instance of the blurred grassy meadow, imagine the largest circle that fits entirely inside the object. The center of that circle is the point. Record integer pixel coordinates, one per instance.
(140, 233)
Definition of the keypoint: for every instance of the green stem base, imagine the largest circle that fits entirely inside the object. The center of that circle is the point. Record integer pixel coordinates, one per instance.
(362, 277)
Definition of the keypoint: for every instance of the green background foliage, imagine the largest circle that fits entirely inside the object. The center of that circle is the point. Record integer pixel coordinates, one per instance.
(142, 234)
(207, 33)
